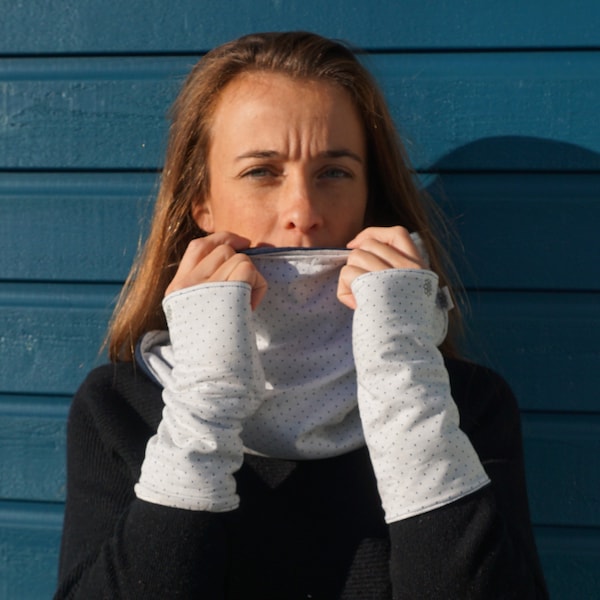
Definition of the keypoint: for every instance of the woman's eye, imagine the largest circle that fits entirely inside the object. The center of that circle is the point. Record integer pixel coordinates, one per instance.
(259, 173)
(335, 173)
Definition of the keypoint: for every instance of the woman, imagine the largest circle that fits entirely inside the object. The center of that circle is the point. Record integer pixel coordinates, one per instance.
(278, 421)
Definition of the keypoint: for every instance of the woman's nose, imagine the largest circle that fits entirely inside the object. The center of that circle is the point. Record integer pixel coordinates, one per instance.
(302, 211)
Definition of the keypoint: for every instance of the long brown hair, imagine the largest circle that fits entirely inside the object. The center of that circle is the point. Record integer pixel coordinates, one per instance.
(393, 198)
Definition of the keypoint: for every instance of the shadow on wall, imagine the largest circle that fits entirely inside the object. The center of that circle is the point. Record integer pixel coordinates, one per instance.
(528, 257)
(519, 153)
(526, 211)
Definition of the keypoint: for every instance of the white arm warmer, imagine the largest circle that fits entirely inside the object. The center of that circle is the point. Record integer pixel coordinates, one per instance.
(215, 384)
(421, 458)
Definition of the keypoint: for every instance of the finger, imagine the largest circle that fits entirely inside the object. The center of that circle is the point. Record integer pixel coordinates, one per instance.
(395, 237)
(245, 270)
(393, 244)
(201, 247)
(344, 290)
(203, 256)
(198, 267)
(374, 255)
(215, 265)
(236, 267)
(224, 264)
(239, 267)
(377, 249)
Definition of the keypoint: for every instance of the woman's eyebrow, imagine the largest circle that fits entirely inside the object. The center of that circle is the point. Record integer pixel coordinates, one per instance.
(259, 154)
(333, 153)
(342, 153)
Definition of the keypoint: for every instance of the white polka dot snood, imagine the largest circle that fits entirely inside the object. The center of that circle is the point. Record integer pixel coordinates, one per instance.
(305, 377)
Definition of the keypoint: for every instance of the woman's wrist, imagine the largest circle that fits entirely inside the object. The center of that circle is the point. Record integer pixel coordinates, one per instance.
(421, 458)
(409, 300)
(216, 383)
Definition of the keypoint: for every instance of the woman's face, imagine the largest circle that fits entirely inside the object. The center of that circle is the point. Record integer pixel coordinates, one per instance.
(287, 163)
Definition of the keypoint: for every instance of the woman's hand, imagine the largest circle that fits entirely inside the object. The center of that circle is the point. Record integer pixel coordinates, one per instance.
(377, 249)
(215, 258)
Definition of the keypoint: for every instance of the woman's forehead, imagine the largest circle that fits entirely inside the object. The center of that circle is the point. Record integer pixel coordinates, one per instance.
(263, 106)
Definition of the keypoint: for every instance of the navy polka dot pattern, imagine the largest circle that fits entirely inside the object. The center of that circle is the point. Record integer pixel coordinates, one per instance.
(216, 382)
(421, 458)
(282, 382)
(303, 335)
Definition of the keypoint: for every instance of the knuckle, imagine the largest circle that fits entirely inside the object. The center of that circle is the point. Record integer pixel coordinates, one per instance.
(224, 251)
(196, 244)
(400, 230)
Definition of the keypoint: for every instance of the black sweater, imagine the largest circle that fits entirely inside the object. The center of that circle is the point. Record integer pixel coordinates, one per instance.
(304, 529)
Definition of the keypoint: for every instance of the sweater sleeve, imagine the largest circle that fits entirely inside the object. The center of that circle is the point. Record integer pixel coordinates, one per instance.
(480, 547)
(453, 534)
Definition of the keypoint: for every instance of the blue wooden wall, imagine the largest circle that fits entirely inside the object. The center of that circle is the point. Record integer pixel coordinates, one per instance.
(498, 102)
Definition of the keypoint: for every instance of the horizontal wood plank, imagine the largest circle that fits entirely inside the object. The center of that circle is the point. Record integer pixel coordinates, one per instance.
(30, 542)
(86, 227)
(562, 458)
(561, 451)
(86, 113)
(515, 231)
(570, 559)
(50, 336)
(75, 26)
(33, 447)
(465, 111)
(498, 105)
(29, 548)
(545, 345)
(523, 231)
